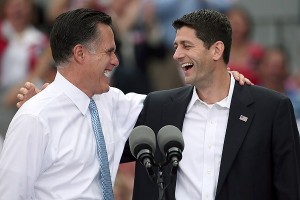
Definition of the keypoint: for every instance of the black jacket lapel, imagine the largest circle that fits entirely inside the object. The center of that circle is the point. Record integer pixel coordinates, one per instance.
(174, 112)
(239, 120)
(175, 117)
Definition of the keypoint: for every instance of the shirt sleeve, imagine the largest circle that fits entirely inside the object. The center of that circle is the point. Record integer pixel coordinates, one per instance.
(128, 108)
(21, 157)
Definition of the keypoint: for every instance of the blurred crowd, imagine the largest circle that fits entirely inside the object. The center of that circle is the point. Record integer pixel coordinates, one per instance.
(144, 37)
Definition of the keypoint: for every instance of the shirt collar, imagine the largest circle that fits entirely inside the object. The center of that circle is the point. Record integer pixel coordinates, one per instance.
(79, 98)
(223, 103)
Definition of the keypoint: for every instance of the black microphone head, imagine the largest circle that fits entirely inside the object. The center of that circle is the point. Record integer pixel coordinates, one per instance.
(169, 136)
(142, 137)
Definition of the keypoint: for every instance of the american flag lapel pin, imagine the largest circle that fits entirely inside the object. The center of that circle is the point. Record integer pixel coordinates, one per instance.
(243, 118)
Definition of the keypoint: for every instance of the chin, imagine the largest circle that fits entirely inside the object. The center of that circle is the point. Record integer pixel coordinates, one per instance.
(105, 89)
(187, 80)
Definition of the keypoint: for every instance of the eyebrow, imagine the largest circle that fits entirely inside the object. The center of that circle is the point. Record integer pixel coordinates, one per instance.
(183, 42)
(112, 49)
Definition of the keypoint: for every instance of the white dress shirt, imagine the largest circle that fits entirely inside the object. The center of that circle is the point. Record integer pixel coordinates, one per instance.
(203, 132)
(50, 148)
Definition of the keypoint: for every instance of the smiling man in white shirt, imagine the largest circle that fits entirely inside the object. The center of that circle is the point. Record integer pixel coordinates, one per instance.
(50, 151)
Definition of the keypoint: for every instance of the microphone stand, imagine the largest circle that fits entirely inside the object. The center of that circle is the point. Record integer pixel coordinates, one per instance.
(160, 183)
(160, 180)
(162, 186)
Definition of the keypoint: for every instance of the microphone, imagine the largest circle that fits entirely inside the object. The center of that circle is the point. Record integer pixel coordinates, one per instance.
(142, 143)
(171, 144)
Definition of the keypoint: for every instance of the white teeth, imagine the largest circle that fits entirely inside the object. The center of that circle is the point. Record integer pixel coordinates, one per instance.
(186, 64)
(107, 73)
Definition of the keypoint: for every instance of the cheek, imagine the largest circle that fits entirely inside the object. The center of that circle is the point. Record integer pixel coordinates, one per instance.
(99, 67)
(103, 62)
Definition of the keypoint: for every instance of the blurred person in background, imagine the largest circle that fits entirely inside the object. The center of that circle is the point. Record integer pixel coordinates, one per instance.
(275, 73)
(20, 46)
(245, 53)
(274, 69)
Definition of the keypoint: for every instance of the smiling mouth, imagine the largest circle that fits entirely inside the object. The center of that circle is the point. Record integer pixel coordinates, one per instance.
(107, 73)
(187, 66)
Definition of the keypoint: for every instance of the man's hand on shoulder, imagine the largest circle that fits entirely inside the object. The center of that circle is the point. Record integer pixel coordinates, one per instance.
(28, 91)
(241, 78)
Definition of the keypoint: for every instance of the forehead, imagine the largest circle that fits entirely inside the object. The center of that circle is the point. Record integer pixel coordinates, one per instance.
(106, 36)
(185, 33)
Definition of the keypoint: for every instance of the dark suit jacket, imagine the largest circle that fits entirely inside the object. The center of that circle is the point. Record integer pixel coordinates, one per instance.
(261, 157)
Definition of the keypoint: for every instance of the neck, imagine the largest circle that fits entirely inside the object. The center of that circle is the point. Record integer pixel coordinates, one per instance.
(74, 77)
(216, 89)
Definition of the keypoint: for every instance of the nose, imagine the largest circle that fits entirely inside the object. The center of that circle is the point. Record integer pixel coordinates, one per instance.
(114, 60)
(178, 54)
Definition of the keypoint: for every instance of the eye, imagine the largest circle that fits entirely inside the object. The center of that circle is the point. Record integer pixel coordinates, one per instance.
(186, 46)
(111, 52)
(175, 47)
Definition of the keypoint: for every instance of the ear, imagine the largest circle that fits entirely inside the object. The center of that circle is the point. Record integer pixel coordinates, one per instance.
(78, 53)
(217, 50)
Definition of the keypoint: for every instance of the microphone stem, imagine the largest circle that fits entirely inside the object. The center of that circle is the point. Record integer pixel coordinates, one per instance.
(160, 183)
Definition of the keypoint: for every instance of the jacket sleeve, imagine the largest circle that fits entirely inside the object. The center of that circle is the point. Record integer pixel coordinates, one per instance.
(286, 153)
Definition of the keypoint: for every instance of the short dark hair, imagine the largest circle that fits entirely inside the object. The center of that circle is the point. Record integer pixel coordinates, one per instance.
(75, 27)
(210, 26)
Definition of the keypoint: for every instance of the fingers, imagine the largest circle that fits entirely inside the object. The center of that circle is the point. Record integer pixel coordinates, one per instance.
(236, 75)
(19, 104)
(241, 79)
(25, 93)
(20, 98)
(44, 86)
(28, 85)
(248, 82)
